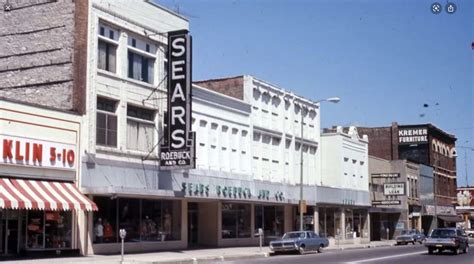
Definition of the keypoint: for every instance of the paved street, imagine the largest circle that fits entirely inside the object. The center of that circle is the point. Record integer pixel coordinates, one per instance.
(396, 254)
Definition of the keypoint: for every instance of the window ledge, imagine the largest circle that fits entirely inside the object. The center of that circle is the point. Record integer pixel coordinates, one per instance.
(129, 80)
(133, 153)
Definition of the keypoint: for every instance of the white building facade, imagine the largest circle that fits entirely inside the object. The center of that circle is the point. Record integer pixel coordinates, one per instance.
(343, 195)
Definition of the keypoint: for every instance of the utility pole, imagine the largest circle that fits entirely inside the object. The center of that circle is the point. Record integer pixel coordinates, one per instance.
(301, 172)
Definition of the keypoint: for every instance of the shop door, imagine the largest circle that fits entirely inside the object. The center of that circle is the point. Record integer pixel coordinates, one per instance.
(192, 224)
(2, 233)
(9, 232)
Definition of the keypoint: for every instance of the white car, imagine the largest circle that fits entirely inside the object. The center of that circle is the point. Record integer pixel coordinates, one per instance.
(469, 232)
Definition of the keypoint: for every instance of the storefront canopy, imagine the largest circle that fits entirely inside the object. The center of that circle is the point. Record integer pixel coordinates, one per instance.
(450, 218)
(42, 195)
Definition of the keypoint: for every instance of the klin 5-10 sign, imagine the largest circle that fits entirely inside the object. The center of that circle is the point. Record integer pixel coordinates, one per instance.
(178, 149)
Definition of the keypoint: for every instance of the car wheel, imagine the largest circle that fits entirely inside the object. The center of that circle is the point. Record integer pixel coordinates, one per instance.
(398, 243)
(456, 251)
(421, 242)
(302, 249)
(430, 251)
(413, 242)
(320, 248)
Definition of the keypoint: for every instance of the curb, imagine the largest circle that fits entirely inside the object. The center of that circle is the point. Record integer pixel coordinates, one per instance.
(359, 247)
(206, 259)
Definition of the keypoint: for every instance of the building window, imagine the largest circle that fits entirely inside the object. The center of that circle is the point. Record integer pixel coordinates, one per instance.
(106, 127)
(270, 219)
(140, 128)
(235, 220)
(140, 67)
(141, 60)
(107, 48)
(107, 56)
(144, 220)
(49, 229)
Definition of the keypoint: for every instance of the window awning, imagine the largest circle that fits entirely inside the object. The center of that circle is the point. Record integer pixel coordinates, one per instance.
(42, 195)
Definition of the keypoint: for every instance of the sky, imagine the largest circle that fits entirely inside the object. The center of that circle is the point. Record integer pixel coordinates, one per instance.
(388, 60)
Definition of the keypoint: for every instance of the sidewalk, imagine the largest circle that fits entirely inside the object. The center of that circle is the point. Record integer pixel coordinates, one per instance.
(190, 256)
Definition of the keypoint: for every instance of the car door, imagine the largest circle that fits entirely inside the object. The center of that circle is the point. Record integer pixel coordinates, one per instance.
(462, 239)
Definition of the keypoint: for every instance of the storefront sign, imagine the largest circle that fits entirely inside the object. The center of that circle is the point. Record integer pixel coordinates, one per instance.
(348, 201)
(397, 188)
(264, 194)
(386, 202)
(400, 225)
(195, 189)
(22, 151)
(412, 135)
(178, 149)
(385, 175)
(233, 192)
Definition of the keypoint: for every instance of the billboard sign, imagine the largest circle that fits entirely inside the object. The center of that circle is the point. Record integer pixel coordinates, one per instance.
(396, 188)
(413, 135)
(178, 148)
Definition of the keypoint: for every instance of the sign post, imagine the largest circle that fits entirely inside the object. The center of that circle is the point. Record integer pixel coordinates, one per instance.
(123, 234)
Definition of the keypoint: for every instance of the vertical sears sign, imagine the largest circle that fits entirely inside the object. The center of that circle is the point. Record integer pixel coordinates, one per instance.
(178, 149)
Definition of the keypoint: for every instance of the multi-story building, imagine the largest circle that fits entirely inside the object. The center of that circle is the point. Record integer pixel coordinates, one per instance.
(396, 197)
(343, 192)
(424, 144)
(41, 206)
(105, 61)
(465, 206)
(43, 72)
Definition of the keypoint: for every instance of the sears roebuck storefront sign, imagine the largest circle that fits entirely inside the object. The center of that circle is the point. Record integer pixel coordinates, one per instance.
(178, 149)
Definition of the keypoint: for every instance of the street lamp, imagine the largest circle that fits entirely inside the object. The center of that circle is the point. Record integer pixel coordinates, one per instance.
(331, 100)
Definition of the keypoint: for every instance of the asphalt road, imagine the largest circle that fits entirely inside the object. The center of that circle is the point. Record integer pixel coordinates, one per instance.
(395, 254)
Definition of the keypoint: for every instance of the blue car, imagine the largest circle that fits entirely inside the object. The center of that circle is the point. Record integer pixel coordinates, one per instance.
(300, 241)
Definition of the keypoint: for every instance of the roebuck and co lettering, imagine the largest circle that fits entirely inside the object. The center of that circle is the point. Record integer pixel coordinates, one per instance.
(177, 152)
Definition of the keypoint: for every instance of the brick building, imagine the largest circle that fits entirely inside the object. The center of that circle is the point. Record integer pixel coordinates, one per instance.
(424, 144)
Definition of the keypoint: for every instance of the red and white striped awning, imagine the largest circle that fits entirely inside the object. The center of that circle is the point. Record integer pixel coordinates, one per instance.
(42, 195)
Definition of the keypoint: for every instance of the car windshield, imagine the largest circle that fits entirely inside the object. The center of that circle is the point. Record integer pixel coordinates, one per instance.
(406, 232)
(293, 235)
(440, 233)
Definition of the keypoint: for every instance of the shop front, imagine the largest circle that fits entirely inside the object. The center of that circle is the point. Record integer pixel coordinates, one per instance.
(342, 215)
(40, 203)
(38, 218)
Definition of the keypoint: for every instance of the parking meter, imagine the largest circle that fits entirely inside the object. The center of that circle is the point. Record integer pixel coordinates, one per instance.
(123, 234)
(260, 237)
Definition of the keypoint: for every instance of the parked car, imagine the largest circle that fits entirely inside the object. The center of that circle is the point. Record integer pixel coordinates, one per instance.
(410, 236)
(301, 241)
(454, 239)
(469, 232)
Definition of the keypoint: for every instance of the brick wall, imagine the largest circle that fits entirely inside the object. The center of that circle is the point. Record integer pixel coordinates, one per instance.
(233, 87)
(37, 52)
(380, 141)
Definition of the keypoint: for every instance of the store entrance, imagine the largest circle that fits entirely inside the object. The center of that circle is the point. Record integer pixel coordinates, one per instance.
(193, 224)
(9, 230)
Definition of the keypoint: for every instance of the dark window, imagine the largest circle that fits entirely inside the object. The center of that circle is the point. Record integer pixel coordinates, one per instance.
(102, 31)
(106, 129)
(140, 133)
(235, 220)
(140, 113)
(134, 42)
(147, 48)
(111, 34)
(140, 67)
(107, 56)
